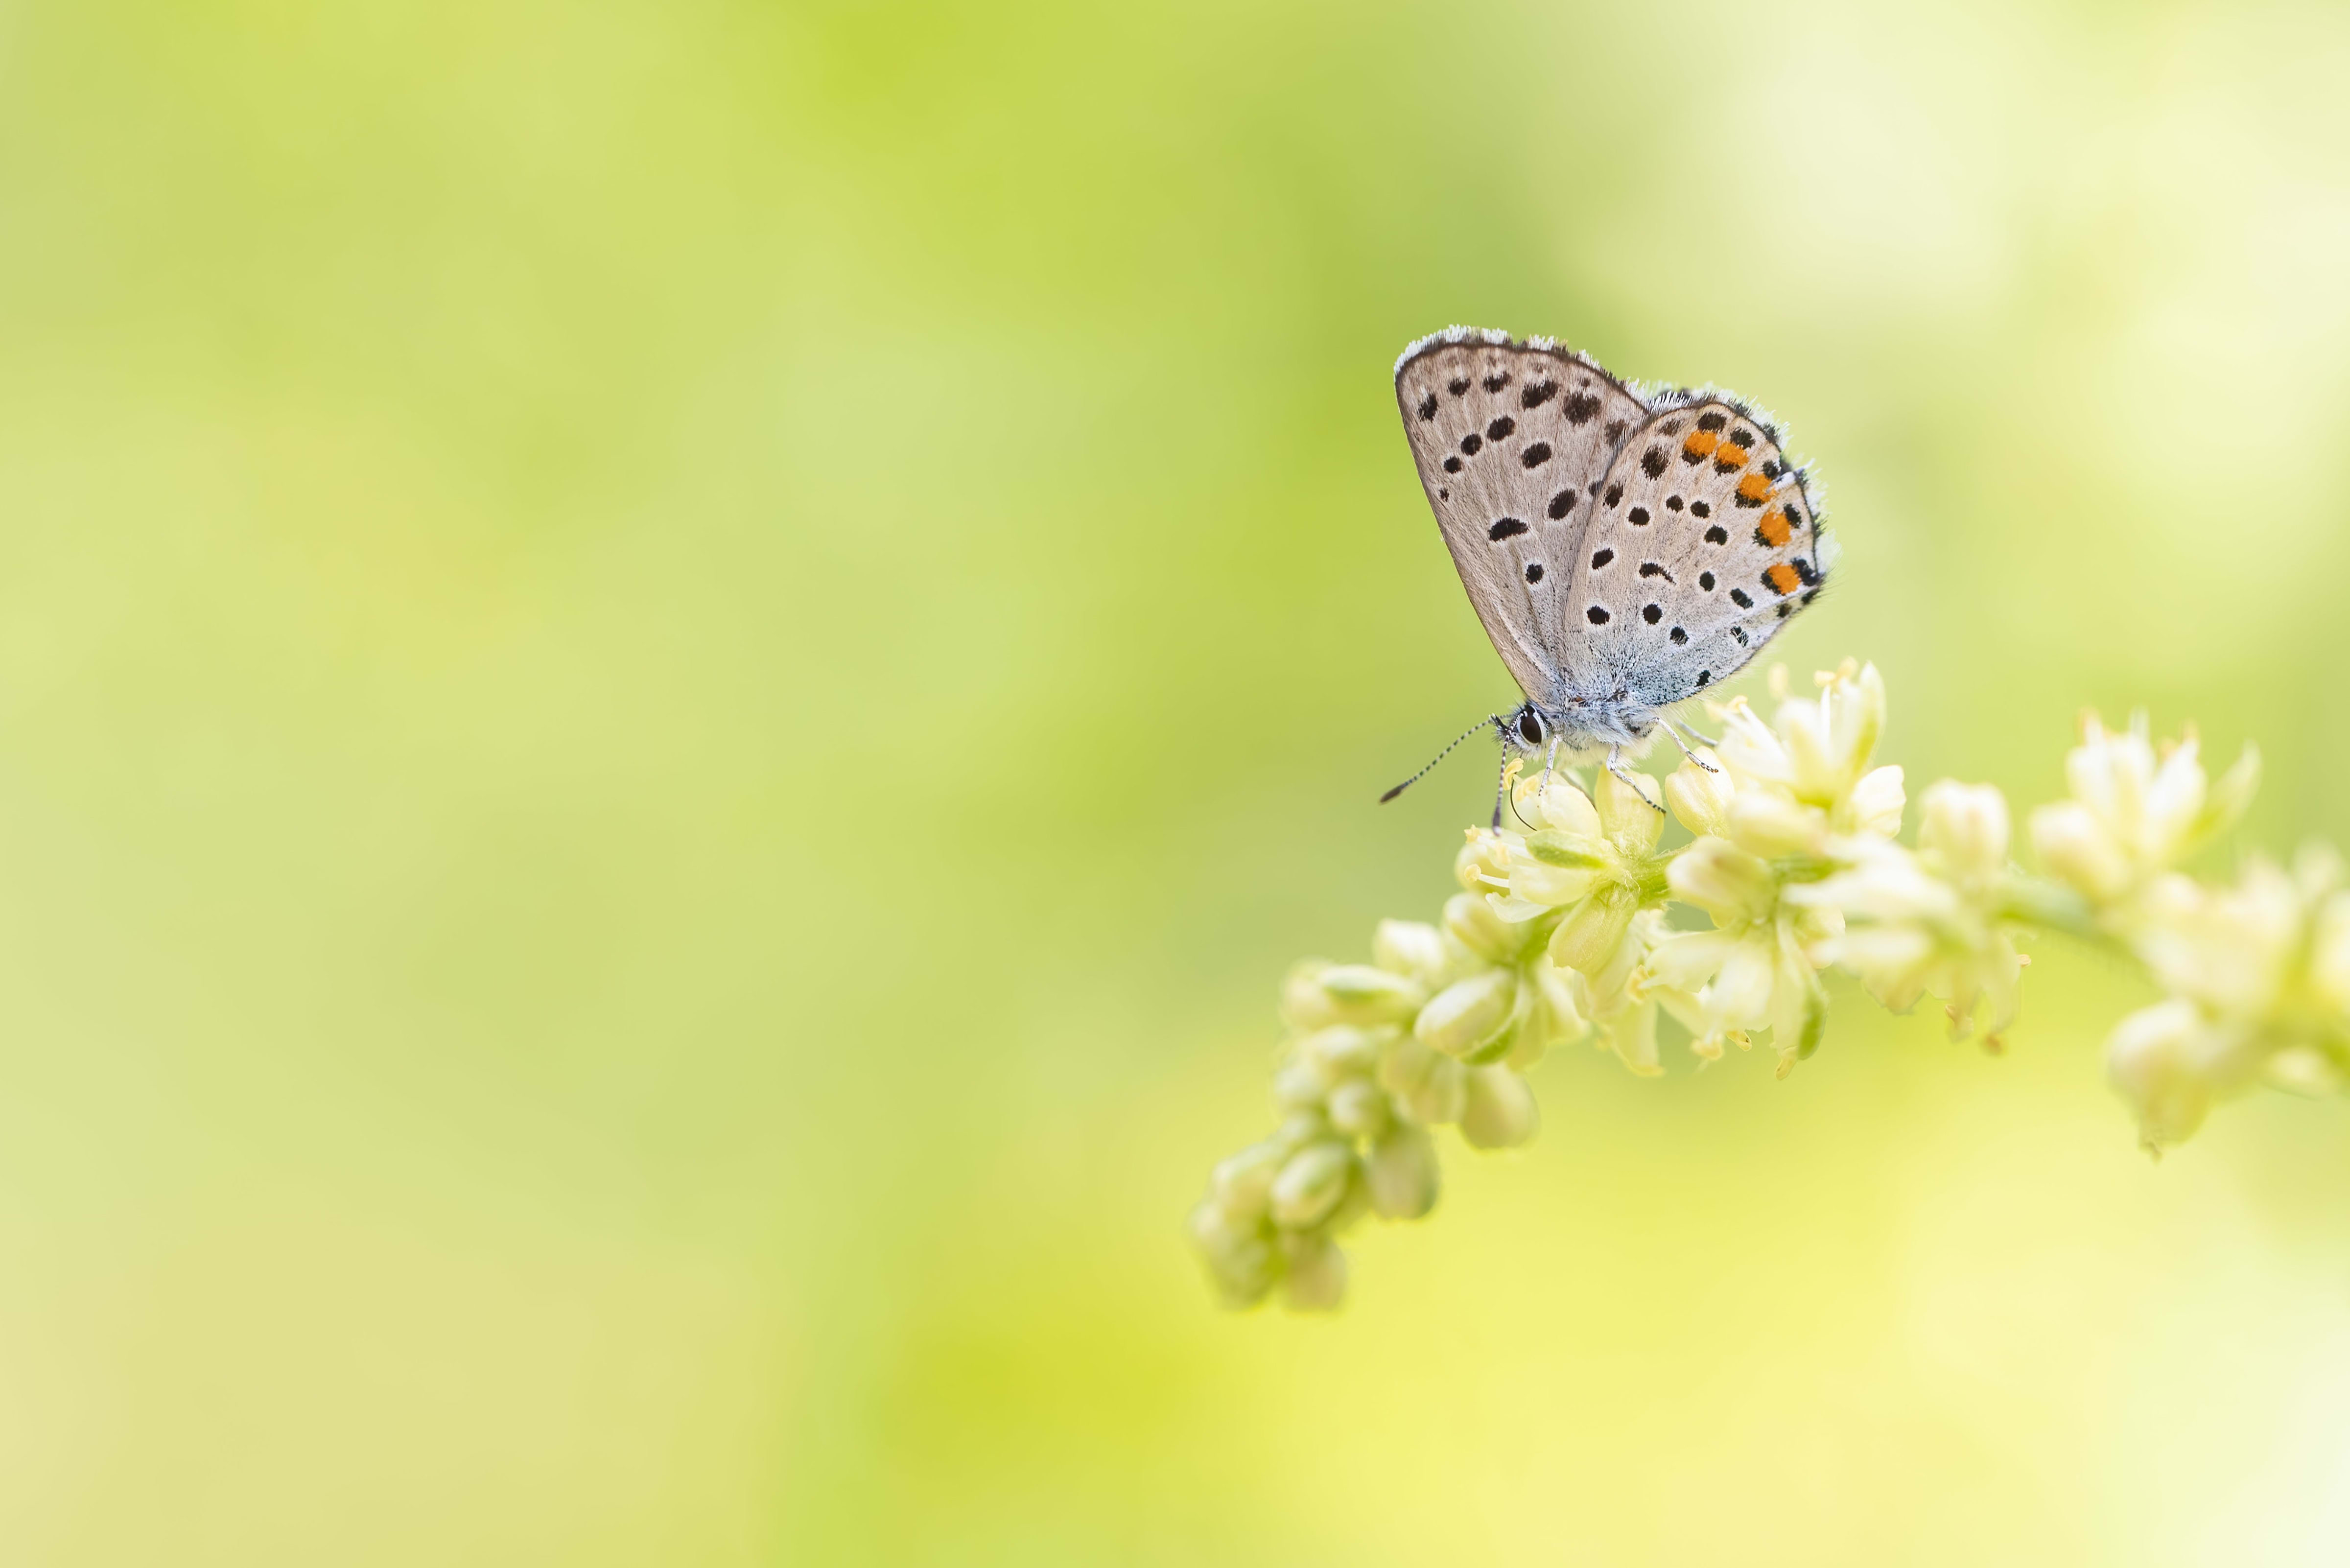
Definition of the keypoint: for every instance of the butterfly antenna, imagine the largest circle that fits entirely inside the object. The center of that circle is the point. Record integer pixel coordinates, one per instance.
(1482, 724)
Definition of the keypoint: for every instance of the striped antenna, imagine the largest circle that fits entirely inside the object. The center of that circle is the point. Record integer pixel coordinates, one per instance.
(1493, 719)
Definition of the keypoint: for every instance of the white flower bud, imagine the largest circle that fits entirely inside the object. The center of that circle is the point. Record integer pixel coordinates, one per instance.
(1470, 1013)
(1723, 880)
(2329, 955)
(1310, 1185)
(1315, 1279)
(1773, 825)
(1631, 819)
(1875, 808)
(2076, 847)
(1401, 1172)
(1588, 938)
(1559, 807)
(1357, 1108)
(1299, 1129)
(1360, 993)
(1303, 1004)
(1240, 1260)
(1412, 949)
(1429, 1086)
(1687, 959)
(1242, 1186)
(1500, 1112)
(2174, 800)
(1298, 1086)
(1560, 1017)
(1892, 962)
(2151, 1061)
(1701, 798)
(1473, 923)
(1342, 1049)
(1966, 826)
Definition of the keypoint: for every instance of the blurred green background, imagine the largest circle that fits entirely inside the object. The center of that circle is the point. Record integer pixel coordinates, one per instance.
(674, 678)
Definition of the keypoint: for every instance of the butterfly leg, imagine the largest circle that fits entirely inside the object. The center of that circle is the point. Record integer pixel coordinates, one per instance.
(1630, 781)
(1677, 732)
(1690, 730)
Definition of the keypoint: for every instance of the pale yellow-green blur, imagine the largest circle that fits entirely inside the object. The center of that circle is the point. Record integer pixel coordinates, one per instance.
(675, 680)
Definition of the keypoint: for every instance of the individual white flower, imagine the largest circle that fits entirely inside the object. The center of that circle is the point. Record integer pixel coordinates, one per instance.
(1624, 999)
(1318, 993)
(1313, 1274)
(1240, 1259)
(2168, 1061)
(2258, 973)
(1753, 969)
(1429, 1085)
(1401, 1172)
(2135, 812)
(1931, 923)
(1500, 1112)
(1577, 849)
(1594, 856)
(1813, 760)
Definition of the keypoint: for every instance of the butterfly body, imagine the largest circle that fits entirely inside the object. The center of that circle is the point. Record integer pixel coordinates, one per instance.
(1625, 548)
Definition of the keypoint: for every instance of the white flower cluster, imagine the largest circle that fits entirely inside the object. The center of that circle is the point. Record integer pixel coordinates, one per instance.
(2257, 974)
(1437, 1029)
(1565, 929)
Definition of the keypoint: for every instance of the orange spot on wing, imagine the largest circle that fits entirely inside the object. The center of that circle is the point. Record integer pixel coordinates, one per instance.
(1782, 578)
(1753, 487)
(1699, 442)
(1773, 528)
(1735, 456)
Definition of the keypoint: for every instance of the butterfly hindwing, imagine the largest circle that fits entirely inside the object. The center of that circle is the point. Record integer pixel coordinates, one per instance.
(1510, 440)
(1702, 541)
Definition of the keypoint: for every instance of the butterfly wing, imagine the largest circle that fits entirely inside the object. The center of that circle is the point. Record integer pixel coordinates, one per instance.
(1703, 543)
(1510, 440)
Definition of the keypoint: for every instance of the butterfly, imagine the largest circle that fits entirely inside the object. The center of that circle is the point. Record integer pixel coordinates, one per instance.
(1624, 547)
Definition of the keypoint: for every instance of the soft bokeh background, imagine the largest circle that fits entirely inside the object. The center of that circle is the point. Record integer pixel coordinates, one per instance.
(675, 677)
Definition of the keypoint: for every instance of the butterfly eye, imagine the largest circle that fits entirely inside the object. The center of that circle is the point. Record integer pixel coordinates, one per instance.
(1530, 725)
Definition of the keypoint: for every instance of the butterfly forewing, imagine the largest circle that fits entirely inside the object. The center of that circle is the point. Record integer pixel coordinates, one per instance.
(1702, 541)
(1511, 441)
